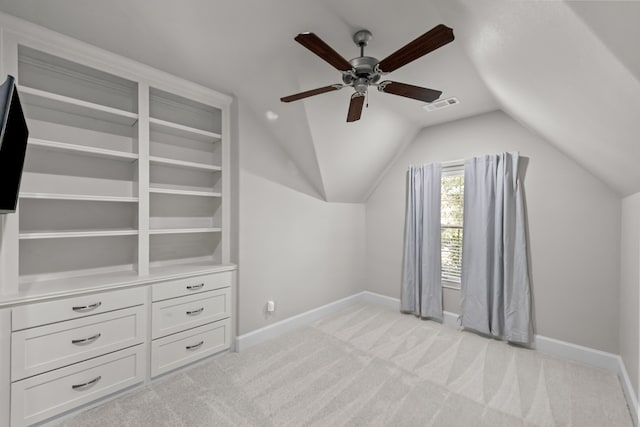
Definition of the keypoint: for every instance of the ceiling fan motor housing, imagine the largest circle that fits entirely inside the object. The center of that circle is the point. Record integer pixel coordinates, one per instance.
(364, 72)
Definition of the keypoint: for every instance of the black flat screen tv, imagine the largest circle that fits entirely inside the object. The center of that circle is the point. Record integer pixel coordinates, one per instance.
(13, 145)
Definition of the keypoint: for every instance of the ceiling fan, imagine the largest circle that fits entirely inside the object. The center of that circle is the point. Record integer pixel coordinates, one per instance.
(364, 71)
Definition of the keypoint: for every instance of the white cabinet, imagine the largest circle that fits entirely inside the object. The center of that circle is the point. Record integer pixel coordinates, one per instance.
(190, 320)
(71, 351)
(191, 285)
(178, 314)
(43, 396)
(177, 350)
(123, 218)
(28, 316)
(44, 348)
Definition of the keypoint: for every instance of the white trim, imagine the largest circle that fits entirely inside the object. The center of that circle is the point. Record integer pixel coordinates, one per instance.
(579, 353)
(289, 324)
(5, 367)
(601, 359)
(374, 298)
(629, 393)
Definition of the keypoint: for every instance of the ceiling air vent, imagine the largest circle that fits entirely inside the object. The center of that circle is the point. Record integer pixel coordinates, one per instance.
(443, 103)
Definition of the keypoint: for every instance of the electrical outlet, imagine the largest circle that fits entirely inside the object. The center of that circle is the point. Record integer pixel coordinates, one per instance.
(271, 306)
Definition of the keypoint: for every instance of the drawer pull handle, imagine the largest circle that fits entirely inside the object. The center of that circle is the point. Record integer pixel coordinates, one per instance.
(195, 312)
(86, 340)
(83, 308)
(193, 347)
(87, 384)
(195, 287)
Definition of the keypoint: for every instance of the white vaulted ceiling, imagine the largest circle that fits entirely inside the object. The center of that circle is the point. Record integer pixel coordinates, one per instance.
(569, 71)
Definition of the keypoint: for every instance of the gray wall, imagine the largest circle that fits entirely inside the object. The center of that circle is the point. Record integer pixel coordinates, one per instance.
(296, 249)
(574, 228)
(629, 287)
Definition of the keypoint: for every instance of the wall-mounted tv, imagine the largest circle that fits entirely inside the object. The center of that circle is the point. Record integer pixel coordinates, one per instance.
(13, 145)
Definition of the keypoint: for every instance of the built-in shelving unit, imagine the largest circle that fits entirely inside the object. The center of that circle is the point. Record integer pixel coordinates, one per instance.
(78, 211)
(123, 212)
(185, 180)
(124, 175)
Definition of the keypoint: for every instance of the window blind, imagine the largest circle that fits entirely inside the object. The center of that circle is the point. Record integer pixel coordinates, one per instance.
(452, 211)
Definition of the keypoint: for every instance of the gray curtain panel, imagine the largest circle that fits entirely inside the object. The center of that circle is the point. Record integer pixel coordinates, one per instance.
(495, 269)
(421, 292)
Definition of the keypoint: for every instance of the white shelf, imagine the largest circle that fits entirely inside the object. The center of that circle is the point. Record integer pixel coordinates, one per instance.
(185, 230)
(73, 234)
(85, 197)
(184, 131)
(82, 149)
(57, 102)
(184, 192)
(182, 164)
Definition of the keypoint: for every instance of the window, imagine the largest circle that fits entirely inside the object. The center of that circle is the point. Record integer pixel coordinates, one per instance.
(451, 225)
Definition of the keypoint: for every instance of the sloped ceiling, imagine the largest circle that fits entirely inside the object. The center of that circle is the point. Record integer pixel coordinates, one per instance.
(567, 71)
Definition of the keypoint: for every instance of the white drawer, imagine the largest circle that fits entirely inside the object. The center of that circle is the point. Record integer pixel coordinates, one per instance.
(171, 352)
(43, 396)
(177, 314)
(44, 348)
(28, 316)
(191, 285)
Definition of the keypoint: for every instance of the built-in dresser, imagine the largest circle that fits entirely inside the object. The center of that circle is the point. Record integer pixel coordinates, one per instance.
(116, 267)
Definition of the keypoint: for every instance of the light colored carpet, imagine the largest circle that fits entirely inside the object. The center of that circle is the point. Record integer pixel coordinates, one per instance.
(369, 365)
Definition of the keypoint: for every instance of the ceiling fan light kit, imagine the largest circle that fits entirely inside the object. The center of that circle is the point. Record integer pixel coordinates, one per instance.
(364, 71)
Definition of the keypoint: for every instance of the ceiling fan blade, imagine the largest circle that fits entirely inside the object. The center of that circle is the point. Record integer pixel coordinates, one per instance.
(355, 107)
(409, 91)
(311, 92)
(437, 37)
(323, 50)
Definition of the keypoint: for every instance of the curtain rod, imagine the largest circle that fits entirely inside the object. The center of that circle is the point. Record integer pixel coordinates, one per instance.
(460, 162)
(450, 163)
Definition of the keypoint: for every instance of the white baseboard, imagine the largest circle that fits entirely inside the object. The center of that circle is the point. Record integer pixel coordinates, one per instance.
(586, 355)
(274, 330)
(449, 319)
(629, 393)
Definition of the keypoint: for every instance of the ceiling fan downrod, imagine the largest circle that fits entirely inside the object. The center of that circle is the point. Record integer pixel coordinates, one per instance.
(361, 38)
(363, 74)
